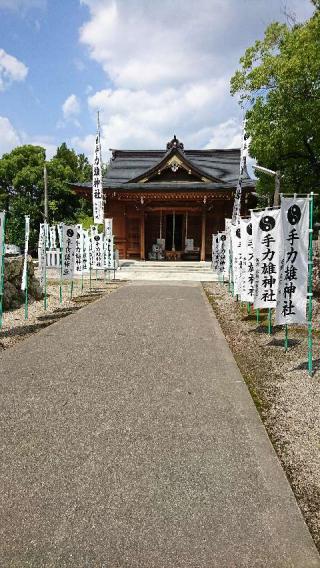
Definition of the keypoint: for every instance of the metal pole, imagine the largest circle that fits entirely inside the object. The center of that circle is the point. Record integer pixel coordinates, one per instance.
(26, 295)
(310, 274)
(276, 197)
(61, 268)
(2, 252)
(286, 337)
(45, 178)
(45, 270)
(269, 321)
(258, 315)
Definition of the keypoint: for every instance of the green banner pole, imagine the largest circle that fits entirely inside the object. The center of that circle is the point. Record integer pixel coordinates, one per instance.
(2, 252)
(90, 272)
(26, 311)
(248, 308)
(71, 289)
(61, 266)
(286, 337)
(269, 321)
(310, 284)
(82, 282)
(45, 303)
(258, 315)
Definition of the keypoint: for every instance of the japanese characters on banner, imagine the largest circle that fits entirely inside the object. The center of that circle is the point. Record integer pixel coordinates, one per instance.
(42, 253)
(26, 247)
(227, 246)
(215, 252)
(108, 259)
(59, 229)
(222, 253)
(247, 269)
(69, 237)
(243, 155)
(52, 234)
(85, 252)
(78, 258)
(236, 257)
(292, 296)
(97, 243)
(2, 221)
(266, 233)
(97, 187)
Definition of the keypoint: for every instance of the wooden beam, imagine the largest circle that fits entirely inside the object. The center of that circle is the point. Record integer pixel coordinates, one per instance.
(203, 235)
(142, 236)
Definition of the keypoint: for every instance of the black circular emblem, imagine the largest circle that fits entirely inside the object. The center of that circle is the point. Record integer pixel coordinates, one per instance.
(267, 223)
(294, 214)
(97, 238)
(249, 228)
(238, 233)
(70, 232)
(223, 237)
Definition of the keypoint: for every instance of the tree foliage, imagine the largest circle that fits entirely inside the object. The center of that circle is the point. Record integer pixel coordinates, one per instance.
(279, 85)
(22, 188)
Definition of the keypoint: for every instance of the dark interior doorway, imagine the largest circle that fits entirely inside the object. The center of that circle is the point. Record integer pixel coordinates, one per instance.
(177, 232)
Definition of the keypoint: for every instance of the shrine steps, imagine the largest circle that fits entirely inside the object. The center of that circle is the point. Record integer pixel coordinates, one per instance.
(170, 270)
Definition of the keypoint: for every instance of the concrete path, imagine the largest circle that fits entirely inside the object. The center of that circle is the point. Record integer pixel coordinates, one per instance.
(129, 439)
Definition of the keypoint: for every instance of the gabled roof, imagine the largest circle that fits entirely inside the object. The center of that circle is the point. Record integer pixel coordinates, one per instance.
(132, 169)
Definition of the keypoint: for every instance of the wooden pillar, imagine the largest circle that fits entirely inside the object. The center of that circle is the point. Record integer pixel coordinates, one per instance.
(203, 235)
(142, 237)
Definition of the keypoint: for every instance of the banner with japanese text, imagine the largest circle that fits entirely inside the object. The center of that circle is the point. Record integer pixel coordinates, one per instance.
(69, 237)
(293, 287)
(97, 243)
(78, 257)
(222, 253)
(236, 257)
(108, 254)
(42, 252)
(53, 241)
(215, 252)
(97, 186)
(2, 239)
(227, 246)
(247, 268)
(266, 234)
(85, 251)
(26, 248)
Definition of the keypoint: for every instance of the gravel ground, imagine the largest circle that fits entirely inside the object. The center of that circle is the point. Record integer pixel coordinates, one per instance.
(16, 328)
(287, 398)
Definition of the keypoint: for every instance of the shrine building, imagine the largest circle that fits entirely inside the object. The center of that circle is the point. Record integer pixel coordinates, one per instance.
(166, 204)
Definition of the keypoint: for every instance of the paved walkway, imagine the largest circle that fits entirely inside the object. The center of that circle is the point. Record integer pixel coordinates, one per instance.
(129, 440)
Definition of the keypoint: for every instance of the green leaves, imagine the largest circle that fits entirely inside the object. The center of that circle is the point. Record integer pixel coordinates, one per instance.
(22, 188)
(279, 79)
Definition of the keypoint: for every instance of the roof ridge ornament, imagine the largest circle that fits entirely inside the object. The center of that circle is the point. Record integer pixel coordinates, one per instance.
(175, 143)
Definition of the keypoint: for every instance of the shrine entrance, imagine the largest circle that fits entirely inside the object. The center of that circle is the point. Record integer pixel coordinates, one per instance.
(174, 228)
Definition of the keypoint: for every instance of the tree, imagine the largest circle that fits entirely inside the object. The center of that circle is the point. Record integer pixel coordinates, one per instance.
(22, 188)
(279, 83)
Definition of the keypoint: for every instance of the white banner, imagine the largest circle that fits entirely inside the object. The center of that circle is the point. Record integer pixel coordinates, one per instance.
(2, 240)
(266, 234)
(59, 229)
(42, 253)
(69, 237)
(293, 287)
(85, 252)
(108, 253)
(26, 247)
(97, 187)
(53, 240)
(247, 269)
(236, 257)
(215, 252)
(97, 242)
(227, 246)
(222, 253)
(78, 257)
(108, 227)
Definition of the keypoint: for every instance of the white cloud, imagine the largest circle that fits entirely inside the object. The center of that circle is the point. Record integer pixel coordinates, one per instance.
(71, 107)
(11, 69)
(168, 66)
(9, 138)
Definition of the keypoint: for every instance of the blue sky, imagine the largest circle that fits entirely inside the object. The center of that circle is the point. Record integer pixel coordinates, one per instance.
(153, 69)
